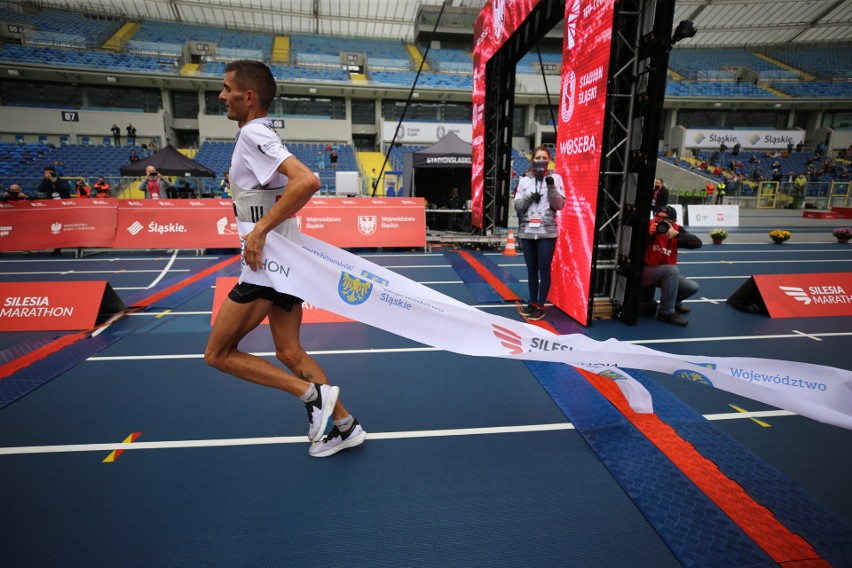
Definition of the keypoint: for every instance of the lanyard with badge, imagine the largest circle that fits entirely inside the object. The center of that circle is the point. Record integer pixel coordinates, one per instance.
(535, 223)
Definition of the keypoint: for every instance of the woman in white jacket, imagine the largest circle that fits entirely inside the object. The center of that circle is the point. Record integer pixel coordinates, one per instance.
(539, 195)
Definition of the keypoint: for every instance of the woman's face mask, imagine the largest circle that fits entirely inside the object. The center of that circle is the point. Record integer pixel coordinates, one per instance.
(540, 166)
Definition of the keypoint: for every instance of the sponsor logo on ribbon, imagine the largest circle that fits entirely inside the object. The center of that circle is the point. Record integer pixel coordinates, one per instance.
(353, 290)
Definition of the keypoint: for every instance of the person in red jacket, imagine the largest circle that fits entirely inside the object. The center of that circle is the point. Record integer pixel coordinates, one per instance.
(101, 187)
(665, 236)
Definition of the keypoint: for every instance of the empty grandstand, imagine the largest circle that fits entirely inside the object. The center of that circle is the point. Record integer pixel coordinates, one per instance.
(345, 79)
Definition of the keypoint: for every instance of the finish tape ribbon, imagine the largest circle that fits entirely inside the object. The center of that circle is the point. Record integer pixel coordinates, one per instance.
(351, 286)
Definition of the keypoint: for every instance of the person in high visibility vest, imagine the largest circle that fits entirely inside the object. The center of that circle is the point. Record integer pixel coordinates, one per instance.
(720, 192)
(225, 185)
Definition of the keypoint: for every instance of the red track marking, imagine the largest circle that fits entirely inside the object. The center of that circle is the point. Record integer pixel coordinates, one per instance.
(113, 455)
(758, 522)
(495, 282)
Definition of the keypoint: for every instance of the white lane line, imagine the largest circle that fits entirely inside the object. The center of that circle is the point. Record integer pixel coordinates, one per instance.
(768, 250)
(808, 335)
(796, 335)
(265, 354)
(165, 270)
(405, 435)
(735, 276)
(158, 313)
(775, 261)
(129, 259)
(502, 305)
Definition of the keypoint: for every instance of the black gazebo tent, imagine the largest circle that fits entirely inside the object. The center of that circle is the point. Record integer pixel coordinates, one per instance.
(431, 172)
(168, 162)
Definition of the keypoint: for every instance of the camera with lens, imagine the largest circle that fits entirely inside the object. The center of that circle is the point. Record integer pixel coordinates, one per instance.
(535, 197)
(663, 227)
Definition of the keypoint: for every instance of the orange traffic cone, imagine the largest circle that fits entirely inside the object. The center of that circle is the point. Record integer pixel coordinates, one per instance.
(510, 245)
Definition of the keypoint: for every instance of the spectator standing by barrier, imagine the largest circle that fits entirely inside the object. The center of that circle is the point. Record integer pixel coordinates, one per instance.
(737, 188)
(116, 134)
(333, 157)
(373, 180)
(800, 183)
(155, 185)
(134, 157)
(710, 188)
(14, 193)
(539, 195)
(270, 186)
(131, 134)
(660, 197)
(665, 236)
(721, 187)
(54, 186)
(225, 185)
(101, 188)
(82, 188)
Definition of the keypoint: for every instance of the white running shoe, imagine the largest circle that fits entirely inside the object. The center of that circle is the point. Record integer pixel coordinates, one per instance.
(320, 409)
(337, 440)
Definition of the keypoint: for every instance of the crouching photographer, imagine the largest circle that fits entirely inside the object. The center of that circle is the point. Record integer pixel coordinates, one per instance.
(665, 237)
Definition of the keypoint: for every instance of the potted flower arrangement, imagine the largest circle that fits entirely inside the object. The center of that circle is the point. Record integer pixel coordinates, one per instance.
(843, 234)
(718, 235)
(779, 236)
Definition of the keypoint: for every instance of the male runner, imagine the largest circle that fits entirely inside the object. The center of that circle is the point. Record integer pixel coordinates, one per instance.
(269, 185)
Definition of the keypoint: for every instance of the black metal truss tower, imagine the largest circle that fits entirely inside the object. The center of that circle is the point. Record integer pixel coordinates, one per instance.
(636, 88)
(637, 81)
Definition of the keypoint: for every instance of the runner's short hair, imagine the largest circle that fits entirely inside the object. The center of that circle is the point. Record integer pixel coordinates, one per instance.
(254, 75)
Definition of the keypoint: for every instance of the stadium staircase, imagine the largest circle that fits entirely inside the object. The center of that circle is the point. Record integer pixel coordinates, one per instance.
(120, 38)
(281, 50)
(678, 177)
(368, 161)
(189, 69)
(416, 57)
(774, 91)
(675, 76)
(782, 65)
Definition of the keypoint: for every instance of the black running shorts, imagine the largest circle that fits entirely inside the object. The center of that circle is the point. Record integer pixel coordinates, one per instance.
(243, 293)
